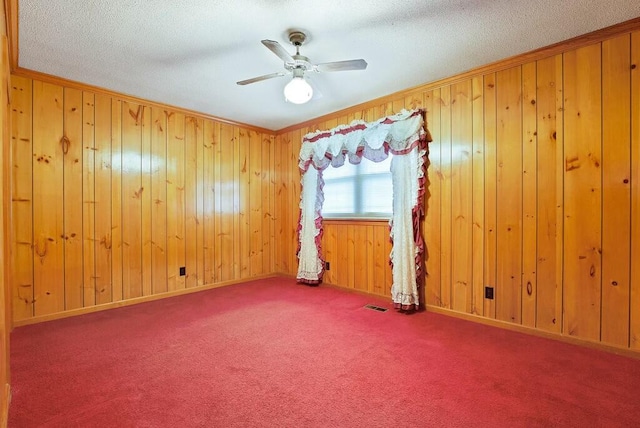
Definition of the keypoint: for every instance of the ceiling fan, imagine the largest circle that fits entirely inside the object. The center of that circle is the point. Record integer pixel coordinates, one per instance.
(298, 90)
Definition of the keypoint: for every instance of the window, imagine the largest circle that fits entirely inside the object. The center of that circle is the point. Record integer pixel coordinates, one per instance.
(358, 191)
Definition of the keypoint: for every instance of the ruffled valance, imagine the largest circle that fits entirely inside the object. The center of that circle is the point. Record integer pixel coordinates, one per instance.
(372, 140)
(404, 136)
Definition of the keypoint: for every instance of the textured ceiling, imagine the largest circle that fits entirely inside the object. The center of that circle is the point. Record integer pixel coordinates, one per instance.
(190, 53)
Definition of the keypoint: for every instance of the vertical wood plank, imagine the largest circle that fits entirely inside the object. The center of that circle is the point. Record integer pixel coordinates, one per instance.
(371, 262)
(146, 202)
(341, 265)
(285, 205)
(276, 182)
(616, 189)
(445, 197)
(22, 197)
(433, 215)
(116, 200)
(6, 243)
(72, 191)
(238, 193)
(48, 213)
(461, 185)
(582, 196)
(218, 197)
(265, 206)
(634, 325)
(226, 207)
(295, 177)
(274, 246)
(103, 212)
(88, 199)
(351, 254)
(397, 105)
(380, 258)
(361, 254)
(255, 201)
(550, 194)
(159, 261)
(509, 195)
(244, 204)
(199, 220)
(490, 191)
(388, 272)
(191, 204)
(131, 200)
(211, 133)
(414, 101)
(477, 196)
(529, 191)
(331, 253)
(175, 200)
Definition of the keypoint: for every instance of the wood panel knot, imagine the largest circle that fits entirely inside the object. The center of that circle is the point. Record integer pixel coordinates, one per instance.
(65, 143)
(572, 163)
(529, 288)
(106, 242)
(138, 194)
(41, 252)
(614, 283)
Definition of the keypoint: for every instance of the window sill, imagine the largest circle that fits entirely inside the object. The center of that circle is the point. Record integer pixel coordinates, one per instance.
(360, 221)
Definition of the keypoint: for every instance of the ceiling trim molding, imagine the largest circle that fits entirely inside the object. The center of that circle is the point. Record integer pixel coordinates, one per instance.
(11, 18)
(48, 78)
(597, 36)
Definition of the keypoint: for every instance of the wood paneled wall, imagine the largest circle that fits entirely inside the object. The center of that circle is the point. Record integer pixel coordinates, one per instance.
(534, 190)
(5, 247)
(111, 198)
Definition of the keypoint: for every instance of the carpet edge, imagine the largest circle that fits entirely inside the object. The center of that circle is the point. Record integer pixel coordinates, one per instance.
(626, 352)
(135, 301)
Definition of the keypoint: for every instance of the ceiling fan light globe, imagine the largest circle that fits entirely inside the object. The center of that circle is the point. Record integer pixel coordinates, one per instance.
(298, 91)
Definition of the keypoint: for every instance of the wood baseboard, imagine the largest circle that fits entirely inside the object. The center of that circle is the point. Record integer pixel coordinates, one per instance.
(5, 400)
(536, 332)
(134, 301)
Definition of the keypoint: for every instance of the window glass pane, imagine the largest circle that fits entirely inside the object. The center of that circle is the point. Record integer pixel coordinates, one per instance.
(340, 196)
(358, 190)
(377, 194)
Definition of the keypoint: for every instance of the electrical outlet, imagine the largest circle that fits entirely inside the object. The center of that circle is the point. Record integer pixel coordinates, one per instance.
(488, 293)
(327, 266)
(183, 271)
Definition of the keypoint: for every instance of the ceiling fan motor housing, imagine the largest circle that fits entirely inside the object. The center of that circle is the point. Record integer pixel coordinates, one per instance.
(297, 38)
(300, 62)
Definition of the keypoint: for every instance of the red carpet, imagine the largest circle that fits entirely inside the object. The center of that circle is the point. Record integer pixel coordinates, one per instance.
(275, 354)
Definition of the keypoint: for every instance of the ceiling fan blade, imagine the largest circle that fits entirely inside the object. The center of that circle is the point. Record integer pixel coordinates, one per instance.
(277, 49)
(261, 78)
(353, 64)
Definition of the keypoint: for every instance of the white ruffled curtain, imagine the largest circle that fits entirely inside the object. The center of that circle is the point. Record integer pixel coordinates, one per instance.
(404, 136)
